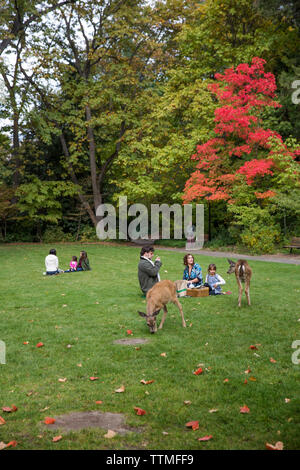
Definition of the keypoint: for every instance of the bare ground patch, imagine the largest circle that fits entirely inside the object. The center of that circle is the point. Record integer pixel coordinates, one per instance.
(92, 419)
(131, 341)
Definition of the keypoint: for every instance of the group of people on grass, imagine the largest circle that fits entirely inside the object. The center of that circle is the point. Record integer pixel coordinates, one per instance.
(52, 265)
(148, 273)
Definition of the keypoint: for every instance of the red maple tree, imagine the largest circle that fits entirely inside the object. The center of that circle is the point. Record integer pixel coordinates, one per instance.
(241, 145)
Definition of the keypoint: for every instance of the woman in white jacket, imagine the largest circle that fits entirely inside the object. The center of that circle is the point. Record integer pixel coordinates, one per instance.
(51, 263)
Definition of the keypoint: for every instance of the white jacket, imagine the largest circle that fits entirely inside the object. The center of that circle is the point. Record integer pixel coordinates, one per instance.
(51, 263)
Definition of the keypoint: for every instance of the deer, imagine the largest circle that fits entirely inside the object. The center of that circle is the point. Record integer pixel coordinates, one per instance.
(243, 273)
(157, 297)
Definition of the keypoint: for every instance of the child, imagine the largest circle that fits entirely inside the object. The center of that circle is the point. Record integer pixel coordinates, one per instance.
(214, 281)
(73, 264)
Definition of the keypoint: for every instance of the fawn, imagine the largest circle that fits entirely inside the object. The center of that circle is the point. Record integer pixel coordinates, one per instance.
(243, 273)
(157, 298)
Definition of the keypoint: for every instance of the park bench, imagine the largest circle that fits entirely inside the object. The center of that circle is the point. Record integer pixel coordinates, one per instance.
(295, 243)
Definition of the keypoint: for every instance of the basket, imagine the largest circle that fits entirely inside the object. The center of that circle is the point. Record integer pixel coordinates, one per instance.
(198, 292)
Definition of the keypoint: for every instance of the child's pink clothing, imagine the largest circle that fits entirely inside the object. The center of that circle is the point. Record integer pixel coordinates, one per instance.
(73, 265)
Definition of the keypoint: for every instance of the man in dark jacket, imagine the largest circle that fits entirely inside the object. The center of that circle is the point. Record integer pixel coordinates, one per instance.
(148, 272)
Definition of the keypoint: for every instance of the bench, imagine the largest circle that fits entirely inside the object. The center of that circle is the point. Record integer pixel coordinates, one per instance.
(295, 243)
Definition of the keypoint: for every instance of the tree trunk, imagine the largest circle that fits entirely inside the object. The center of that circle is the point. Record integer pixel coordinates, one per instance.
(92, 153)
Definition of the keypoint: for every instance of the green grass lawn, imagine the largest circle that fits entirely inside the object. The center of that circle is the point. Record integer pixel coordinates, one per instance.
(89, 310)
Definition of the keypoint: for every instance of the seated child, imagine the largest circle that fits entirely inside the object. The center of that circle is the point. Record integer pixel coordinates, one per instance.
(214, 281)
(73, 263)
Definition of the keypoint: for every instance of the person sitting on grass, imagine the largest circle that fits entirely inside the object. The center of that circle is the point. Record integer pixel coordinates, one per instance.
(192, 272)
(51, 263)
(73, 265)
(148, 271)
(83, 263)
(214, 281)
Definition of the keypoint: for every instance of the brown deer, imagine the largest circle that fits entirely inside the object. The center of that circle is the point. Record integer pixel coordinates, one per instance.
(157, 298)
(243, 273)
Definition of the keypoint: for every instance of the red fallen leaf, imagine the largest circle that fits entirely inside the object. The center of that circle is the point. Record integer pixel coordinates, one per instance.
(278, 446)
(99, 402)
(198, 371)
(11, 443)
(26, 342)
(39, 345)
(139, 411)
(272, 360)
(205, 438)
(225, 381)
(253, 346)
(7, 409)
(246, 381)
(244, 409)
(49, 420)
(94, 378)
(146, 382)
(2, 421)
(248, 371)
(56, 438)
(193, 424)
(129, 332)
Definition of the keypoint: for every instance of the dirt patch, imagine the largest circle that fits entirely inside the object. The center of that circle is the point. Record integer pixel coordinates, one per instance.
(130, 341)
(92, 419)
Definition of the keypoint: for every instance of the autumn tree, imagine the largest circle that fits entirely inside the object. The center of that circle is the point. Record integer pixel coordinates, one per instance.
(244, 164)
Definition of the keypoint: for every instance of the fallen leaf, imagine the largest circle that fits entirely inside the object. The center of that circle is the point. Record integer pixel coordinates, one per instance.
(94, 378)
(244, 409)
(65, 305)
(165, 433)
(213, 410)
(121, 389)
(164, 354)
(11, 443)
(7, 409)
(40, 345)
(56, 438)
(79, 365)
(62, 380)
(253, 379)
(129, 332)
(2, 445)
(99, 402)
(225, 381)
(246, 381)
(253, 346)
(278, 446)
(49, 420)
(248, 371)
(205, 438)
(110, 434)
(69, 346)
(139, 411)
(272, 360)
(146, 382)
(198, 371)
(26, 342)
(187, 402)
(2, 421)
(287, 400)
(193, 424)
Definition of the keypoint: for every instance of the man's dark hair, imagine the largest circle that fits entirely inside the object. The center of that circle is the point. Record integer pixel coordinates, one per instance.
(146, 249)
(52, 252)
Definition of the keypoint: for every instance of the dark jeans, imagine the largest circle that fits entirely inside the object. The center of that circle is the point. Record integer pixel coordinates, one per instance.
(211, 291)
(50, 273)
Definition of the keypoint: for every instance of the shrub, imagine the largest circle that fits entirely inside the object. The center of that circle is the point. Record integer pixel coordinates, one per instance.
(56, 234)
(261, 239)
